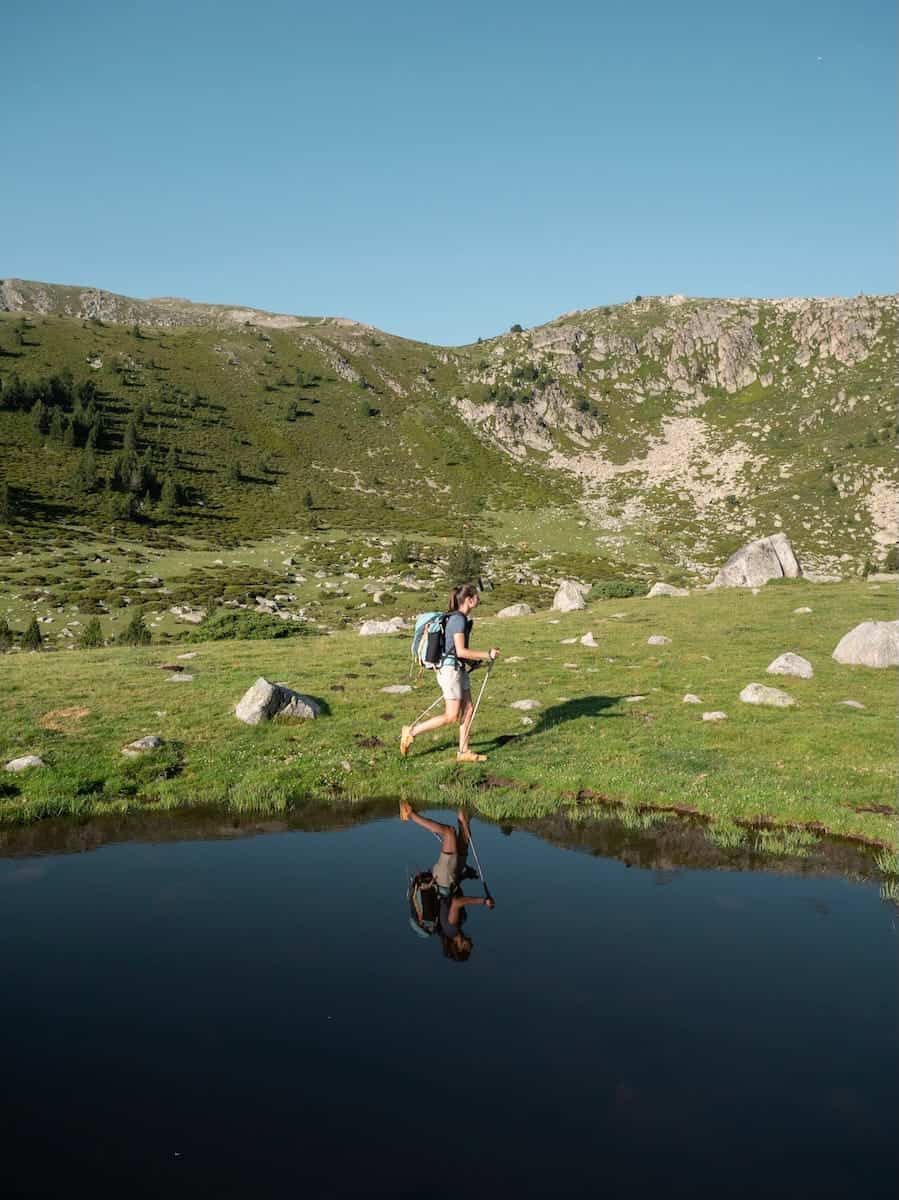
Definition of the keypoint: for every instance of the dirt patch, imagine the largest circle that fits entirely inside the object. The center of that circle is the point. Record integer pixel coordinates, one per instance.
(63, 720)
(369, 743)
(498, 781)
(884, 810)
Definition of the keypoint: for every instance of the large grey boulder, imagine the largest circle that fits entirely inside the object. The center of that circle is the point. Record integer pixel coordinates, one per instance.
(23, 763)
(758, 693)
(757, 562)
(871, 644)
(570, 596)
(142, 746)
(516, 610)
(376, 628)
(265, 700)
(666, 589)
(791, 664)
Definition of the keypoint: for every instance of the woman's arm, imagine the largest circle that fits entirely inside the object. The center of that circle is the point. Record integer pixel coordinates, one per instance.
(463, 652)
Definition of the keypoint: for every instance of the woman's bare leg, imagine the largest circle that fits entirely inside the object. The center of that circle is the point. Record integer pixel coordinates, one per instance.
(449, 717)
(465, 722)
(446, 833)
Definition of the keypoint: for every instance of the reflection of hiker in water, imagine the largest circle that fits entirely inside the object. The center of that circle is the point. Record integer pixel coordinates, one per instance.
(447, 873)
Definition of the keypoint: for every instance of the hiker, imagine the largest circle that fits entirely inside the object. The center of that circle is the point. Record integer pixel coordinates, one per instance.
(452, 675)
(448, 872)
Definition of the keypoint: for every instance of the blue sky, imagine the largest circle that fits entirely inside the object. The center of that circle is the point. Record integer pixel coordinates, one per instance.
(443, 171)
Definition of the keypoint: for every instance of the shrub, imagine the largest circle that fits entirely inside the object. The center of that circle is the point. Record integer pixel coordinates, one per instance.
(615, 589)
(31, 638)
(516, 329)
(225, 626)
(402, 552)
(136, 633)
(891, 559)
(5, 635)
(463, 564)
(91, 636)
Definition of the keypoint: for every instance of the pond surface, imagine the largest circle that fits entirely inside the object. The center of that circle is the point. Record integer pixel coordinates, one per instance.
(254, 1017)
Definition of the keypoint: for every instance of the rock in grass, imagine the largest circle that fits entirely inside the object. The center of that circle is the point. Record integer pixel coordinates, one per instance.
(871, 644)
(181, 677)
(516, 610)
(589, 640)
(397, 689)
(570, 596)
(691, 699)
(264, 701)
(666, 589)
(758, 693)
(757, 562)
(184, 612)
(567, 641)
(804, 609)
(23, 763)
(377, 628)
(658, 639)
(142, 745)
(852, 703)
(190, 654)
(515, 658)
(791, 664)
(714, 716)
(525, 705)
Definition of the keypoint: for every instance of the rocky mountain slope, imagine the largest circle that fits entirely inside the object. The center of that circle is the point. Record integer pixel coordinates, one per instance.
(678, 427)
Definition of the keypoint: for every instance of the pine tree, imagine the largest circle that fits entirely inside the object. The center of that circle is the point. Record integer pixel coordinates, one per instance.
(6, 504)
(86, 473)
(92, 635)
(308, 502)
(39, 417)
(168, 501)
(31, 638)
(129, 441)
(137, 633)
(68, 439)
(57, 425)
(5, 635)
(171, 460)
(234, 475)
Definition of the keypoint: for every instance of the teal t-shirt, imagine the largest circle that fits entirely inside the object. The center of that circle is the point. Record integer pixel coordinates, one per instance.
(455, 623)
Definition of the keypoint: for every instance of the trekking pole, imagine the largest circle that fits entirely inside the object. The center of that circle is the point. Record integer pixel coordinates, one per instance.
(481, 692)
(428, 709)
(474, 851)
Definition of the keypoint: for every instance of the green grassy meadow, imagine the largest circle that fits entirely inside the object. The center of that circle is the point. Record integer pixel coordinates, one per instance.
(611, 729)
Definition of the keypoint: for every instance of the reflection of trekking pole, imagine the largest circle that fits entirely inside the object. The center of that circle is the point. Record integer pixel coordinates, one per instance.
(474, 851)
(481, 692)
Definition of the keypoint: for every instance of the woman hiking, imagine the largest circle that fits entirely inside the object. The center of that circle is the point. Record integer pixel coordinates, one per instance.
(452, 675)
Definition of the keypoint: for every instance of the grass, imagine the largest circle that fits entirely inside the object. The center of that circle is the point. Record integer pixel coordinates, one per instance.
(777, 779)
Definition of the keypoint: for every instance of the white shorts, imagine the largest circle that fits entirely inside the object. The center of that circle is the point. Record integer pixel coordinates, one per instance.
(454, 682)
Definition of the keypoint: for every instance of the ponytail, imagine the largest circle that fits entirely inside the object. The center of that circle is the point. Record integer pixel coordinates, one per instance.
(463, 592)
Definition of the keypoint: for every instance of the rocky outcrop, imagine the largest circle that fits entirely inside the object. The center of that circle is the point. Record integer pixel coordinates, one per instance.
(264, 701)
(871, 644)
(25, 762)
(755, 563)
(570, 596)
(377, 628)
(666, 589)
(516, 610)
(758, 693)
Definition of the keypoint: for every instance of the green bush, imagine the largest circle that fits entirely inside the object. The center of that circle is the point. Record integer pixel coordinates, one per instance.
(463, 564)
(891, 560)
(91, 636)
(136, 632)
(225, 626)
(31, 638)
(615, 589)
(5, 635)
(402, 552)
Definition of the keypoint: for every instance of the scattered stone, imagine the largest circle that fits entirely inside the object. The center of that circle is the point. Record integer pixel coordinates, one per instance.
(568, 641)
(516, 610)
(170, 667)
(804, 609)
(152, 581)
(883, 577)
(759, 693)
(871, 644)
(525, 705)
(666, 589)
(193, 616)
(658, 639)
(376, 628)
(515, 658)
(573, 666)
(23, 763)
(397, 689)
(813, 577)
(346, 765)
(589, 640)
(142, 745)
(852, 703)
(755, 563)
(633, 699)
(190, 654)
(265, 700)
(180, 677)
(714, 716)
(570, 596)
(791, 664)
(527, 721)
(691, 699)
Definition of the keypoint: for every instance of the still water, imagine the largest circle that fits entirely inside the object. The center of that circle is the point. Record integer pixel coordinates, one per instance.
(254, 1017)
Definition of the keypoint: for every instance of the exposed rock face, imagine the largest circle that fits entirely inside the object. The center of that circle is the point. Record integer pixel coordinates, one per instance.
(755, 563)
(23, 763)
(142, 746)
(193, 616)
(376, 628)
(265, 700)
(871, 644)
(791, 664)
(570, 596)
(666, 589)
(758, 693)
(516, 610)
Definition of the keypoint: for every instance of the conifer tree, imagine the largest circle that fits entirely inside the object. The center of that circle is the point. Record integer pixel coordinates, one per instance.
(68, 439)
(168, 501)
(57, 425)
(39, 417)
(6, 503)
(86, 474)
(129, 441)
(92, 635)
(31, 638)
(5, 635)
(136, 633)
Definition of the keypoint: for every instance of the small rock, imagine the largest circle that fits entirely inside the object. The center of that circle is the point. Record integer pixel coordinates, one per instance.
(182, 677)
(691, 699)
(376, 628)
(633, 699)
(666, 589)
(515, 658)
(758, 693)
(397, 689)
(527, 720)
(714, 716)
(142, 745)
(589, 640)
(190, 654)
(852, 703)
(193, 616)
(525, 705)
(804, 609)
(658, 639)
(347, 766)
(791, 664)
(516, 610)
(23, 763)
(568, 641)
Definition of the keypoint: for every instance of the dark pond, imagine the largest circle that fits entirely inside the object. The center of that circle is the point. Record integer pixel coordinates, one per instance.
(252, 1016)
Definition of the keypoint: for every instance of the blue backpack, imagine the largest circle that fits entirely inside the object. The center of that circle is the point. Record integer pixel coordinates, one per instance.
(428, 639)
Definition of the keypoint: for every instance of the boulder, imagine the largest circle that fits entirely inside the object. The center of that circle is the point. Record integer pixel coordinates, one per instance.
(791, 664)
(142, 746)
(375, 628)
(691, 699)
(804, 609)
(184, 612)
(817, 577)
(181, 677)
(871, 644)
(570, 596)
(525, 705)
(397, 689)
(265, 700)
(758, 693)
(757, 562)
(23, 763)
(589, 640)
(852, 703)
(658, 639)
(516, 610)
(666, 589)
(714, 716)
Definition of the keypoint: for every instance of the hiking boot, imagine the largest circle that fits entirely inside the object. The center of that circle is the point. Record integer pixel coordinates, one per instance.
(406, 740)
(470, 756)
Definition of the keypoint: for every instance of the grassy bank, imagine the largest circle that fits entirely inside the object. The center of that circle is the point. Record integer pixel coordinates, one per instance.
(611, 728)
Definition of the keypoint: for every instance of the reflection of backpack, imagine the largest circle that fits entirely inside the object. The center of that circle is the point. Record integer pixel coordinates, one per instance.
(427, 639)
(424, 904)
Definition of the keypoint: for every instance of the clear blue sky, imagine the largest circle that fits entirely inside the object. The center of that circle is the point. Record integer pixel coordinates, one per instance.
(445, 170)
